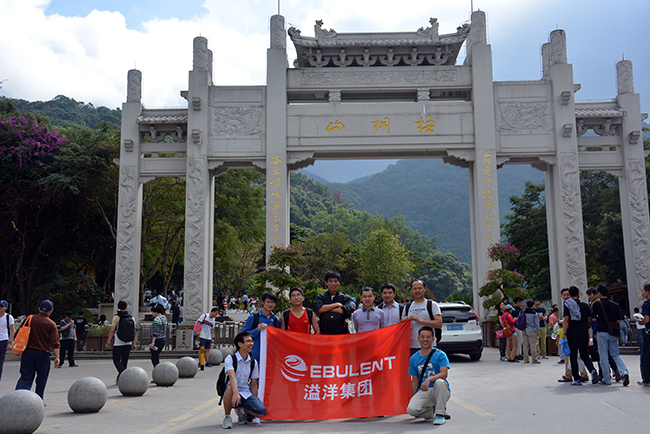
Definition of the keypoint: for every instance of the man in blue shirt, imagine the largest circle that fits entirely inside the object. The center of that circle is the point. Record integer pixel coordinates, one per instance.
(429, 387)
(258, 321)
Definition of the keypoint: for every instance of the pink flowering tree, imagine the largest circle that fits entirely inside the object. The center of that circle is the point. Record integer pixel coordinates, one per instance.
(26, 145)
(502, 284)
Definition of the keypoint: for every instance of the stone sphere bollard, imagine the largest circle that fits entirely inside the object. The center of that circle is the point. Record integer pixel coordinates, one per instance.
(226, 351)
(133, 381)
(87, 395)
(165, 374)
(216, 357)
(22, 411)
(187, 367)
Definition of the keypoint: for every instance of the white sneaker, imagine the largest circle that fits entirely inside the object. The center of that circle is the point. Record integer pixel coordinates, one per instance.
(242, 417)
(257, 421)
(227, 422)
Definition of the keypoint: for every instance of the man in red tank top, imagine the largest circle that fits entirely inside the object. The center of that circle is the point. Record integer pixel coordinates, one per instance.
(298, 318)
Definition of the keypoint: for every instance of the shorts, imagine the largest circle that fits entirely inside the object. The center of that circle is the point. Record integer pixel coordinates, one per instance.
(205, 343)
(253, 404)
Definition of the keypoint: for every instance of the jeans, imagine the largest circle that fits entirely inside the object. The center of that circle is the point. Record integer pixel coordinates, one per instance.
(639, 338)
(645, 361)
(3, 351)
(254, 404)
(608, 345)
(121, 357)
(502, 347)
(34, 363)
(81, 342)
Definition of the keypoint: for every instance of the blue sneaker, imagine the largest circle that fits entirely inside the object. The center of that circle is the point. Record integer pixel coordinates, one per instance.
(439, 420)
(576, 383)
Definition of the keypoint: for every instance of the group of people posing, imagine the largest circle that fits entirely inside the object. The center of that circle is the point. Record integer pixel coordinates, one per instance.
(428, 366)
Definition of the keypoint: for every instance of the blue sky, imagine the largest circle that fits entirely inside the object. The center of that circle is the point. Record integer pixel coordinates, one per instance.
(84, 48)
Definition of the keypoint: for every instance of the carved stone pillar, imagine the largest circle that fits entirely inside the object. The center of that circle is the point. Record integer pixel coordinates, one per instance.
(483, 188)
(632, 188)
(199, 193)
(277, 174)
(129, 215)
(564, 206)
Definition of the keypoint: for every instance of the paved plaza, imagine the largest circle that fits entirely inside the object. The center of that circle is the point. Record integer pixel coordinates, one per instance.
(489, 395)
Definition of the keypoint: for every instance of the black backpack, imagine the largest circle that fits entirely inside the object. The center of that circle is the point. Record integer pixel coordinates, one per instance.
(285, 314)
(126, 328)
(222, 381)
(256, 320)
(438, 332)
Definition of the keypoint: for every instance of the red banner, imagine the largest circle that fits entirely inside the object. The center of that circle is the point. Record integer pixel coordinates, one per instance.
(308, 376)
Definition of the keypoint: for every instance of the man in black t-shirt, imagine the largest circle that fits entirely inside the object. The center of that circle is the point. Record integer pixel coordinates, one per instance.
(576, 329)
(333, 307)
(607, 312)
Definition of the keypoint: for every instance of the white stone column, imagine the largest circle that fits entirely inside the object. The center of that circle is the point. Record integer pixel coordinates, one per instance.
(564, 206)
(483, 187)
(199, 195)
(129, 215)
(632, 188)
(277, 174)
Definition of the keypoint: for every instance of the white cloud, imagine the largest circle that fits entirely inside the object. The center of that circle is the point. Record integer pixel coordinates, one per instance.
(87, 58)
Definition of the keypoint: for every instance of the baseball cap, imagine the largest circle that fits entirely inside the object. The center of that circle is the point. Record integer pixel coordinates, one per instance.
(3, 303)
(46, 305)
(508, 306)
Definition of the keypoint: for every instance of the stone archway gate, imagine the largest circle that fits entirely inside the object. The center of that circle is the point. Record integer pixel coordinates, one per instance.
(385, 95)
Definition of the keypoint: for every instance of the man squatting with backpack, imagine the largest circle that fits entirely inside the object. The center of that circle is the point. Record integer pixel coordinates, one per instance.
(241, 386)
(123, 329)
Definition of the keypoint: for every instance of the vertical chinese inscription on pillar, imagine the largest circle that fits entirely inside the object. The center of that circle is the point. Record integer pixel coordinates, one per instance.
(486, 180)
(126, 233)
(274, 188)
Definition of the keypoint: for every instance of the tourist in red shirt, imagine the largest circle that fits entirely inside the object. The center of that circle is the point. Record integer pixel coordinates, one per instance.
(298, 318)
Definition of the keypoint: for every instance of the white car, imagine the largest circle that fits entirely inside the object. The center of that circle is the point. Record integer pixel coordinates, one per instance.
(461, 330)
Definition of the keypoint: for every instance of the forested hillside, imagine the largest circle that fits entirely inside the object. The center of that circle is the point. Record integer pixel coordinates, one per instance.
(63, 111)
(58, 223)
(434, 198)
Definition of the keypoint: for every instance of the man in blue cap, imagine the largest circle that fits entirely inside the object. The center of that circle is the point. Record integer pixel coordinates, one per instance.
(35, 361)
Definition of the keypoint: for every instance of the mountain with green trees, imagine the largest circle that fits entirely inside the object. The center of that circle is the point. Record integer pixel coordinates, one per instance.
(433, 197)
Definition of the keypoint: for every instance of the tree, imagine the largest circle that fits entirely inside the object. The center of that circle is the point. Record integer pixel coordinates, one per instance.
(502, 284)
(526, 228)
(384, 259)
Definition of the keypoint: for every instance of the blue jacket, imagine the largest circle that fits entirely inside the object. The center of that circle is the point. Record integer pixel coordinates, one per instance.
(272, 321)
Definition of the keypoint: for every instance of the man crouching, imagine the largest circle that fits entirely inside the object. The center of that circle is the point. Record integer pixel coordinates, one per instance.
(241, 389)
(429, 387)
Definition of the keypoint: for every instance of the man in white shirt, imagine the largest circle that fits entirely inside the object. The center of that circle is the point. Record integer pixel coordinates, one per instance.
(242, 387)
(205, 335)
(421, 312)
(7, 332)
(392, 309)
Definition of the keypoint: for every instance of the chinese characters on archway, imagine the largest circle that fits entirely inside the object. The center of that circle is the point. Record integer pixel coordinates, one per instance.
(274, 188)
(423, 125)
(487, 196)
